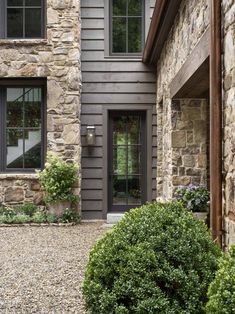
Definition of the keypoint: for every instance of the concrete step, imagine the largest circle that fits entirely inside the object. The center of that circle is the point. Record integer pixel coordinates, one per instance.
(113, 218)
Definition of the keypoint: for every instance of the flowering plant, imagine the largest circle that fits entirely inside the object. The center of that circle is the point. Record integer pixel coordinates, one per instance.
(195, 198)
(58, 178)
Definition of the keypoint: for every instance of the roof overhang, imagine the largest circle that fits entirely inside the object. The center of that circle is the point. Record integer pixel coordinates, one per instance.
(162, 21)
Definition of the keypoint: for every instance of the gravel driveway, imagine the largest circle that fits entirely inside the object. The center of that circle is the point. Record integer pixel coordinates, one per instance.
(41, 268)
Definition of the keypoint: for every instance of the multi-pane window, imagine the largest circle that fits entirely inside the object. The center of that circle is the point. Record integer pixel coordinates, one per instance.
(127, 23)
(21, 109)
(22, 19)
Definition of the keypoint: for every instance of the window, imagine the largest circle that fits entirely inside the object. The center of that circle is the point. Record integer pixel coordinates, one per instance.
(21, 111)
(127, 24)
(22, 19)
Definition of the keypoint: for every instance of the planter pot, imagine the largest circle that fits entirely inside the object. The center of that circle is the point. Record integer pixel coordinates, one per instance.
(201, 215)
(58, 207)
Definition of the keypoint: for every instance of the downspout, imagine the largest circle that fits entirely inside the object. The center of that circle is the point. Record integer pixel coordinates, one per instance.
(216, 122)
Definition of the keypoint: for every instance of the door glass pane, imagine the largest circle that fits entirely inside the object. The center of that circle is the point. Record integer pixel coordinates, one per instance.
(14, 148)
(32, 23)
(14, 107)
(133, 127)
(119, 160)
(15, 3)
(32, 149)
(14, 23)
(119, 130)
(134, 159)
(134, 34)
(119, 34)
(119, 7)
(32, 107)
(134, 7)
(119, 190)
(134, 190)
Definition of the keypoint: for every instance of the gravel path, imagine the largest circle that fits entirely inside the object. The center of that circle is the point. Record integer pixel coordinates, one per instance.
(41, 268)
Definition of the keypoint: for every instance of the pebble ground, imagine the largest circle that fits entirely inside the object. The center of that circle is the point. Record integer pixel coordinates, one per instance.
(42, 268)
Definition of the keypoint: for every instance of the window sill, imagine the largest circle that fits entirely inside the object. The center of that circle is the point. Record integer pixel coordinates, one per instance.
(24, 42)
(20, 176)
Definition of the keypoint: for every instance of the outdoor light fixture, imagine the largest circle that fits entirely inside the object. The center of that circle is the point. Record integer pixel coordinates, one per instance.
(90, 136)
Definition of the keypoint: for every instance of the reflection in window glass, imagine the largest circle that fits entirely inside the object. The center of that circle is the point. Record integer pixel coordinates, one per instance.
(23, 113)
(14, 23)
(127, 26)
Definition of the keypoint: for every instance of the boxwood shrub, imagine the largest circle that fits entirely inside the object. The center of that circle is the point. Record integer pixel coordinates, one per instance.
(222, 290)
(157, 259)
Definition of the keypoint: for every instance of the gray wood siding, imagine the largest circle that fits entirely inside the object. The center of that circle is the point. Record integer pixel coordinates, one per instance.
(107, 81)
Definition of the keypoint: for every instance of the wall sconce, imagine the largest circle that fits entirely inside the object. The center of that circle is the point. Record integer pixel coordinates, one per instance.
(90, 135)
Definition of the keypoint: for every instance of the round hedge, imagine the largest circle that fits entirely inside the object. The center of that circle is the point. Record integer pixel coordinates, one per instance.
(157, 259)
(222, 290)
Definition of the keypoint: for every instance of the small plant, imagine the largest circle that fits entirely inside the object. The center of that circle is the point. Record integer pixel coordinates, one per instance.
(27, 209)
(39, 217)
(221, 292)
(157, 259)
(70, 216)
(20, 219)
(58, 179)
(51, 218)
(194, 198)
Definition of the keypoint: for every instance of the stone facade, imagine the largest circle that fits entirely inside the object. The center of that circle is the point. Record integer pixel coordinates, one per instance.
(181, 145)
(57, 59)
(228, 13)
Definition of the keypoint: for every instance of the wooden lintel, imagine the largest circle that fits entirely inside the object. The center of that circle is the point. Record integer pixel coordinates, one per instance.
(196, 62)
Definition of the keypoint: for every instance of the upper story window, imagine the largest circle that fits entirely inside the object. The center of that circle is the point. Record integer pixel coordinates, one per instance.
(127, 24)
(21, 127)
(22, 19)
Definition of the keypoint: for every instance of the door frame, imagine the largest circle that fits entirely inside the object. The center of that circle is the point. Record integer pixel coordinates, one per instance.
(148, 112)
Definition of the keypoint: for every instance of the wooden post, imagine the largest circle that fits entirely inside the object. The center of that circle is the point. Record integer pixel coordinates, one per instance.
(216, 122)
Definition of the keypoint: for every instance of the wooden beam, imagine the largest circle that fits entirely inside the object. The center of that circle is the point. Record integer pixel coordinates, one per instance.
(216, 122)
(162, 21)
(195, 70)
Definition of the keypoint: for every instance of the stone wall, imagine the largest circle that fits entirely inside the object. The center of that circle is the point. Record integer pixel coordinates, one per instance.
(190, 24)
(190, 139)
(228, 13)
(57, 59)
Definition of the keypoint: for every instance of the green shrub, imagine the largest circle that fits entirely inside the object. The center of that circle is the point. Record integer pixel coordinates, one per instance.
(27, 209)
(51, 218)
(70, 215)
(39, 217)
(157, 259)
(194, 198)
(221, 292)
(6, 219)
(58, 179)
(20, 219)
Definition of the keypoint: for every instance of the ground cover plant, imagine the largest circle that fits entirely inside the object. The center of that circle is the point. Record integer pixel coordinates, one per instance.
(158, 259)
(222, 289)
(30, 213)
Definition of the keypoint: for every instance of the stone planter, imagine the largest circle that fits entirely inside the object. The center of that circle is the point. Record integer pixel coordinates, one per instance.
(201, 215)
(58, 207)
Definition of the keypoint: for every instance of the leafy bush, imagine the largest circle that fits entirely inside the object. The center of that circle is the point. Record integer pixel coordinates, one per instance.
(39, 217)
(157, 259)
(194, 198)
(51, 218)
(221, 292)
(27, 209)
(70, 216)
(58, 179)
(20, 219)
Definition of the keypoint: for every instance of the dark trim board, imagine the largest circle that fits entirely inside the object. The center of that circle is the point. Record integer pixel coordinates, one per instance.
(193, 77)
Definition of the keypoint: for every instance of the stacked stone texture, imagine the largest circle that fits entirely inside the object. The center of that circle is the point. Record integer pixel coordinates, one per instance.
(228, 12)
(190, 24)
(56, 58)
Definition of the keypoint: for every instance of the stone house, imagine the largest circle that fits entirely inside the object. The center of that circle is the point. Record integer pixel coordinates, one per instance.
(152, 83)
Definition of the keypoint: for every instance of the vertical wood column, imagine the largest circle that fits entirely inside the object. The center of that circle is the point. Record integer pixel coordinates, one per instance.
(216, 122)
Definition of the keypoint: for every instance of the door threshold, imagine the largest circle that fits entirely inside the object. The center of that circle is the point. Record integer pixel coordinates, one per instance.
(113, 218)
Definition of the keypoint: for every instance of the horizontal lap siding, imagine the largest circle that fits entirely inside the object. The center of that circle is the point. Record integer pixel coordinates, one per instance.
(106, 81)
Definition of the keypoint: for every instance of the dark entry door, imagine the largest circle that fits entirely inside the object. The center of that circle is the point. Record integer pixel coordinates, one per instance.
(127, 161)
